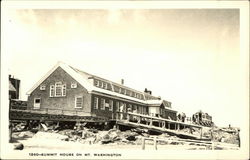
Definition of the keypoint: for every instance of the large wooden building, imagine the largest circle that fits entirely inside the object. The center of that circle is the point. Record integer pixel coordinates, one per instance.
(68, 89)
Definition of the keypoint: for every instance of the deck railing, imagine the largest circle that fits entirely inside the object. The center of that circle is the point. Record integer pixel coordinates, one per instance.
(163, 124)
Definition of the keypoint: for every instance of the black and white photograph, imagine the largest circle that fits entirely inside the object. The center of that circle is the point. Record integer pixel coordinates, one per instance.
(125, 80)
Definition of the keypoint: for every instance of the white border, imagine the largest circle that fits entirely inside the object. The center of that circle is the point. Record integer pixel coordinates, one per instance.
(243, 153)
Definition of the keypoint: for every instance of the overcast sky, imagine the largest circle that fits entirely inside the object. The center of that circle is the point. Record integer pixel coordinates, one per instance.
(189, 57)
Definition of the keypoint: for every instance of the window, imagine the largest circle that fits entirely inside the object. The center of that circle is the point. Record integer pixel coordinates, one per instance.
(107, 103)
(37, 103)
(121, 107)
(122, 91)
(109, 87)
(116, 89)
(100, 84)
(139, 109)
(141, 96)
(52, 91)
(79, 102)
(133, 94)
(110, 105)
(60, 89)
(129, 107)
(96, 82)
(137, 95)
(105, 85)
(128, 92)
(135, 109)
(73, 85)
(143, 110)
(125, 107)
(102, 104)
(42, 87)
(117, 106)
(161, 111)
(96, 103)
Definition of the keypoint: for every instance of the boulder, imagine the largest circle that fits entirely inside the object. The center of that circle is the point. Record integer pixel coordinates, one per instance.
(18, 146)
(130, 135)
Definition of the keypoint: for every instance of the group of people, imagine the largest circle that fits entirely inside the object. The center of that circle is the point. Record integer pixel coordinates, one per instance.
(181, 117)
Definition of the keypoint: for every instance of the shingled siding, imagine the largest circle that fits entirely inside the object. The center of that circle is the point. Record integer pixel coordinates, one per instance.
(64, 103)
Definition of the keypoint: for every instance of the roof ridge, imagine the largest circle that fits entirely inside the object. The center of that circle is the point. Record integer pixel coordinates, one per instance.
(110, 81)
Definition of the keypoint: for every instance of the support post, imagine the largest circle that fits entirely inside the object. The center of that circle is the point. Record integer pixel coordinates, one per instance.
(121, 116)
(155, 143)
(128, 117)
(212, 145)
(163, 124)
(139, 119)
(168, 125)
(201, 133)
(151, 122)
(178, 127)
(39, 126)
(10, 131)
(143, 143)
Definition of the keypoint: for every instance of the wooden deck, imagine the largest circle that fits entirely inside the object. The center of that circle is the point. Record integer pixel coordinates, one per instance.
(164, 125)
(129, 119)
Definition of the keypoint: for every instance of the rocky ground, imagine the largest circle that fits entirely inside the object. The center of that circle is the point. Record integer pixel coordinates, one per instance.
(113, 139)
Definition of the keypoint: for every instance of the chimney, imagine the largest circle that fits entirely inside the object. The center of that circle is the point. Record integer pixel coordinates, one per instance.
(122, 81)
(148, 91)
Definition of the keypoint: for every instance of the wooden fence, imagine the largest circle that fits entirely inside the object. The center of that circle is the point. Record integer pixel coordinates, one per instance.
(208, 145)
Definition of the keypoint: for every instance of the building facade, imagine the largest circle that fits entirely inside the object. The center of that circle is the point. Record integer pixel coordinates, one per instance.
(65, 88)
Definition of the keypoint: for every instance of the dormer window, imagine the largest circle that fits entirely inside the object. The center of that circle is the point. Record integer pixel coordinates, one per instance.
(122, 91)
(100, 84)
(104, 85)
(73, 85)
(42, 87)
(96, 82)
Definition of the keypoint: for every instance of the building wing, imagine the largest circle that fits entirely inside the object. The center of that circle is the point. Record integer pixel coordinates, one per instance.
(96, 84)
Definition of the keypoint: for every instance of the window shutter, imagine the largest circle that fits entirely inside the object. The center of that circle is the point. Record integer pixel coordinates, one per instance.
(64, 90)
(52, 91)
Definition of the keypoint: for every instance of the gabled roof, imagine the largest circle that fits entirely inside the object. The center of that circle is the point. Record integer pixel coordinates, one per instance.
(84, 79)
(67, 69)
(160, 102)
